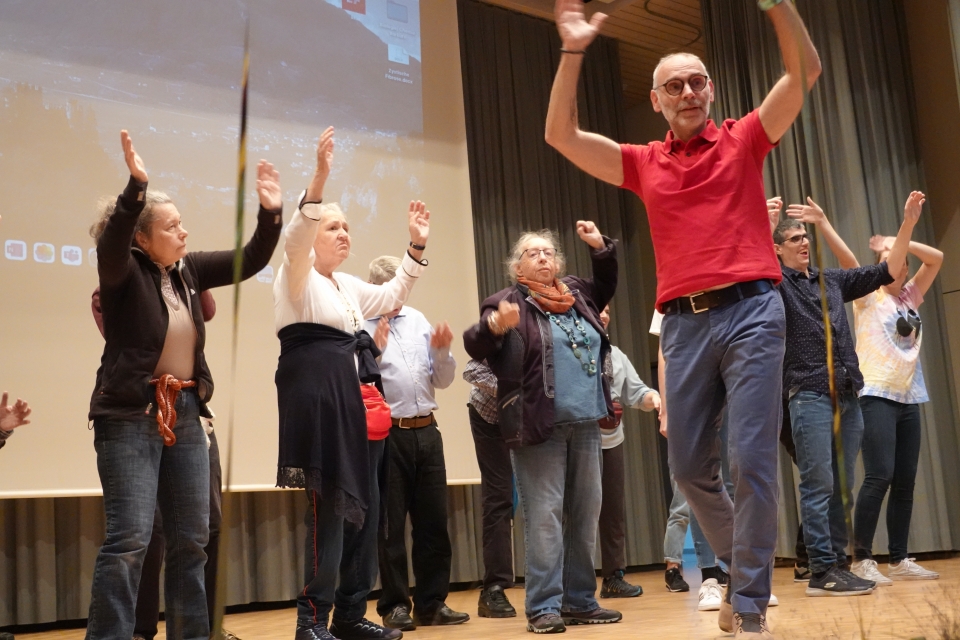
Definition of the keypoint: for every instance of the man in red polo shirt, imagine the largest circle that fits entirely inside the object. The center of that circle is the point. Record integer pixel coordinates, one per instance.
(723, 334)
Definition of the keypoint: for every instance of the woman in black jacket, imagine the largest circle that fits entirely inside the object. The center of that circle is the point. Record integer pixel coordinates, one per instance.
(543, 339)
(152, 387)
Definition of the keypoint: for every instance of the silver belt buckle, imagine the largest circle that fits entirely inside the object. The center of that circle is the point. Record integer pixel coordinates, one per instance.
(693, 302)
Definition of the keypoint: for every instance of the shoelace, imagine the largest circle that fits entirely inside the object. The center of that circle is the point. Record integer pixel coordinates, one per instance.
(752, 622)
(712, 590)
(497, 596)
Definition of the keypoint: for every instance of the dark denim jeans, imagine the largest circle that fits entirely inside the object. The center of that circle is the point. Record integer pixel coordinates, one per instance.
(137, 472)
(821, 500)
(496, 489)
(731, 354)
(560, 492)
(891, 452)
(334, 546)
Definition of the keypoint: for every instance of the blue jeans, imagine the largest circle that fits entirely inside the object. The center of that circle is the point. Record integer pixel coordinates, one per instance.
(891, 453)
(560, 492)
(137, 472)
(335, 546)
(676, 534)
(821, 501)
(731, 354)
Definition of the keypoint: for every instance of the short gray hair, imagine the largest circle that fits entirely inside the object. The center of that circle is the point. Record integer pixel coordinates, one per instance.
(675, 54)
(782, 228)
(331, 208)
(383, 269)
(516, 253)
(108, 204)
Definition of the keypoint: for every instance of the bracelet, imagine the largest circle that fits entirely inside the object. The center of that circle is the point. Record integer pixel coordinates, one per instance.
(580, 53)
(423, 262)
(417, 247)
(766, 5)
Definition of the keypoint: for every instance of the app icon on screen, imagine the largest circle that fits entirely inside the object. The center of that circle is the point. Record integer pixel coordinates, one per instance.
(15, 249)
(395, 11)
(44, 252)
(357, 6)
(396, 53)
(92, 257)
(266, 274)
(71, 255)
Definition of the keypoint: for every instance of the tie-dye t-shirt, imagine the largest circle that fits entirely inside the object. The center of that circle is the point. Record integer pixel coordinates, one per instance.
(890, 363)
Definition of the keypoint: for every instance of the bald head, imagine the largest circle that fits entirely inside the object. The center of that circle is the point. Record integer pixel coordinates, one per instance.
(663, 70)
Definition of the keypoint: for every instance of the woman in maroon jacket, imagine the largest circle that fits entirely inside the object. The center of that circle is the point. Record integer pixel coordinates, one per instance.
(150, 444)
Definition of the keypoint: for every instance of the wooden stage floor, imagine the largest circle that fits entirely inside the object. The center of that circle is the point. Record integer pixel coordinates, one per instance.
(902, 611)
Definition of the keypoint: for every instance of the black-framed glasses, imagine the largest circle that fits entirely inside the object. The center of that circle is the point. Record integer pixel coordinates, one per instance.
(534, 254)
(675, 86)
(907, 324)
(797, 239)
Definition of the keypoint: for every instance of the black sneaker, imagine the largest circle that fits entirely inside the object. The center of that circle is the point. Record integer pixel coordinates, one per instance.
(363, 629)
(801, 573)
(546, 623)
(441, 617)
(836, 582)
(316, 632)
(6, 636)
(493, 603)
(717, 573)
(596, 616)
(616, 587)
(675, 581)
(399, 618)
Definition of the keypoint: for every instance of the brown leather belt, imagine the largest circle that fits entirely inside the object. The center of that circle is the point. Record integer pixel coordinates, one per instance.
(413, 423)
(168, 388)
(706, 300)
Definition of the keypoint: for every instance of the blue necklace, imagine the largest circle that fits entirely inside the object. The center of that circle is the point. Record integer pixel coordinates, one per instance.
(589, 366)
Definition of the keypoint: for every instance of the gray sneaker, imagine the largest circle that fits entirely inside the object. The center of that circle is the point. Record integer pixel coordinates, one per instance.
(597, 616)
(546, 623)
(907, 569)
(837, 582)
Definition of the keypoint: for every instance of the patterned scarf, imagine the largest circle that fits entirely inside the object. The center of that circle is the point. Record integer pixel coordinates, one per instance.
(166, 287)
(555, 298)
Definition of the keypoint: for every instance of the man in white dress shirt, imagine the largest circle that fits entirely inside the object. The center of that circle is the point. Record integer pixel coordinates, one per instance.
(416, 360)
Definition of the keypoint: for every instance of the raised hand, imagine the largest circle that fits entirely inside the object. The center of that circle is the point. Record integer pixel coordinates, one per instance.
(419, 222)
(911, 210)
(382, 334)
(15, 415)
(324, 162)
(442, 336)
(881, 243)
(589, 233)
(774, 206)
(268, 186)
(810, 212)
(508, 315)
(576, 33)
(132, 158)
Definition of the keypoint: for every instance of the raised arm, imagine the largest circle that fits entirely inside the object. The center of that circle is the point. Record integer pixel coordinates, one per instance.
(897, 259)
(811, 213)
(603, 256)
(114, 261)
(597, 155)
(931, 258)
(784, 102)
(442, 364)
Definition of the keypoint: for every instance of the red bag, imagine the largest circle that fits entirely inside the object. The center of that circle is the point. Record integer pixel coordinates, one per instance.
(378, 413)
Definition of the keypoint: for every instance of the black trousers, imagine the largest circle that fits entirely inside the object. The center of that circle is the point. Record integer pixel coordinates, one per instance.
(613, 513)
(148, 597)
(417, 484)
(786, 439)
(496, 490)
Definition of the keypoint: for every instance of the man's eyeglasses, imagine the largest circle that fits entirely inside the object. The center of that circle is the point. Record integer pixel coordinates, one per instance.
(909, 323)
(533, 254)
(797, 239)
(674, 86)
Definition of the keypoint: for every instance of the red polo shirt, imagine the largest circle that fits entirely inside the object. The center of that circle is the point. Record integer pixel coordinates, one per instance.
(706, 206)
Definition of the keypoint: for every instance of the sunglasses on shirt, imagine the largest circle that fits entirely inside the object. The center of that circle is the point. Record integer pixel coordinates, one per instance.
(907, 324)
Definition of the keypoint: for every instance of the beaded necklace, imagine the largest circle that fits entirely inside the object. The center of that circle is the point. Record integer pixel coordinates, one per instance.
(591, 366)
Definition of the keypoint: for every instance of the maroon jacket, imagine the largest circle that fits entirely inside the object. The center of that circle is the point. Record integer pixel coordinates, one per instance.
(522, 359)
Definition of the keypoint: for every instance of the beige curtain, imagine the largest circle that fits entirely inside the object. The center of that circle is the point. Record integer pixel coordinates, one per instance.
(853, 150)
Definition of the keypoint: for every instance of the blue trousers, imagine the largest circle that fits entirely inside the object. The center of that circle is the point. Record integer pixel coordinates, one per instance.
(731, 354)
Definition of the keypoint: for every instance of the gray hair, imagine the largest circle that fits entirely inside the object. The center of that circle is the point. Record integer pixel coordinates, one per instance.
(686, 54)
(331, 208)
(779, 234)
(107, 205)
(383, 269)
(516, 253)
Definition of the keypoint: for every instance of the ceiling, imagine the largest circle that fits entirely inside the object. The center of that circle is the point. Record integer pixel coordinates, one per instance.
(646, 29)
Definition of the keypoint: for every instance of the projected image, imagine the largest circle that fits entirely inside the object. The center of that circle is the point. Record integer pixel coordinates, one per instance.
(355, 63)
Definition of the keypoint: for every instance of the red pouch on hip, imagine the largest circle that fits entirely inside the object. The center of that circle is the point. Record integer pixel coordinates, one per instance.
(378, 413)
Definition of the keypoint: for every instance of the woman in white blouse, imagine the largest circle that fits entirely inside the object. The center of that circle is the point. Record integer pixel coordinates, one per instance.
(325, 356)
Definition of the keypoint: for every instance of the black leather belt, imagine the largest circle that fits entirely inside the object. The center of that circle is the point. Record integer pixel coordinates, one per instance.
(706, 300)
(413, 423)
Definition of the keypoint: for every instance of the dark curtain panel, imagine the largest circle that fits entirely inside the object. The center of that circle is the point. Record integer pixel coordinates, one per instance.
(519, 183)
(854, 151)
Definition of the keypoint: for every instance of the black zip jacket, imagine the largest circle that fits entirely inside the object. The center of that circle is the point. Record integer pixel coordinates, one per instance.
(135, 316)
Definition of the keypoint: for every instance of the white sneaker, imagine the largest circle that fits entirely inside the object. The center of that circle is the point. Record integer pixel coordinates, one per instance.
(907, 569)
(774, 601)
(711, 595)
(867, 569)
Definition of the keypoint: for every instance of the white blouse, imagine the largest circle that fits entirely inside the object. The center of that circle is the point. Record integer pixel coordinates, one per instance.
(301, 294)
